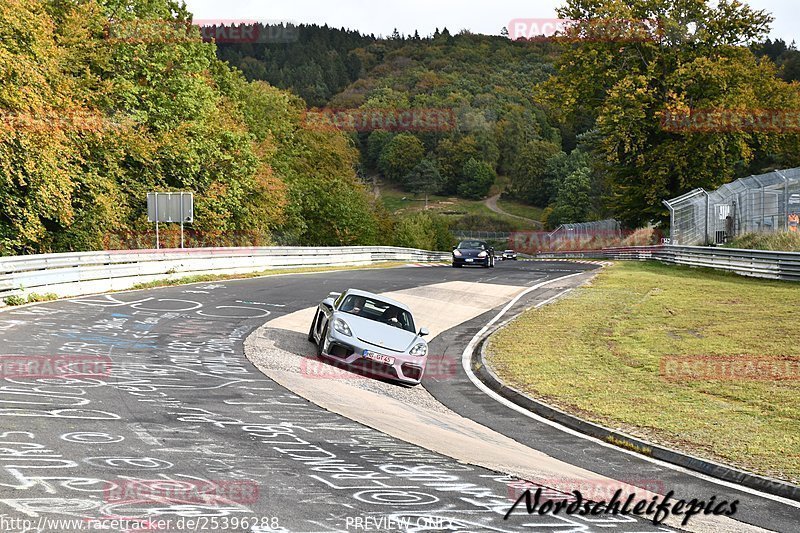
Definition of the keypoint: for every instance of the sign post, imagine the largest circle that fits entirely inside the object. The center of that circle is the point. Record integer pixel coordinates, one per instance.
(155, 203)
(170, 207)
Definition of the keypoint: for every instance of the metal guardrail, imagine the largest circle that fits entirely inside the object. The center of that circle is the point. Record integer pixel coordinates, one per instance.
(753, 263)
(74, 274)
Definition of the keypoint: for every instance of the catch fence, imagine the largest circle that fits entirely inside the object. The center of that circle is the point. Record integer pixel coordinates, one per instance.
(766, 203)
(585, 230)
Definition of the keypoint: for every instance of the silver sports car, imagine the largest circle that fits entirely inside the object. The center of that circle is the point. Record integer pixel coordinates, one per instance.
(371, 333)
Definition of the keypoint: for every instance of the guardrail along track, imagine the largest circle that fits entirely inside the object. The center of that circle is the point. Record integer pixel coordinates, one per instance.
(75, 274)
(753, 263)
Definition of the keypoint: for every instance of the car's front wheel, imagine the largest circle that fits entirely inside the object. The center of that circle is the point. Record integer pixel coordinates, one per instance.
(457, 266)
(313, 327)
(321, 343)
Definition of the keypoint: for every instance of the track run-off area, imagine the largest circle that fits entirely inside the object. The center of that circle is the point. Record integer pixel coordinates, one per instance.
(213, 414)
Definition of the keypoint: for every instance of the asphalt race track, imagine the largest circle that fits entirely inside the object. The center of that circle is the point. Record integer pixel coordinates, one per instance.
(180, 410)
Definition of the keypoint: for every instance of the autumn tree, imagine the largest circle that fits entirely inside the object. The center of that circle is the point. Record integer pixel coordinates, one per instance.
(628, 77)
(38, 161)
(105, 101)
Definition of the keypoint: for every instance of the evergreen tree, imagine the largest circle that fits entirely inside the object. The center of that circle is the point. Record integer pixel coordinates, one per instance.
(424, 179)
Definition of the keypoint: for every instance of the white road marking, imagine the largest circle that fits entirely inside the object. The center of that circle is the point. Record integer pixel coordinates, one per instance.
(106, 301)
(466, 357)
(259, 303)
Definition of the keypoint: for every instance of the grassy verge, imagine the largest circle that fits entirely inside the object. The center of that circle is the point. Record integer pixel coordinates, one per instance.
(598, 353)
(31, 298)
(202, 278)
(784, 241)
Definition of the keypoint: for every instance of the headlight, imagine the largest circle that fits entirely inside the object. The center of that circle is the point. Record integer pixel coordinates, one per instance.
(483, 254)
(456, 253)
(342, 327)
(420, 350)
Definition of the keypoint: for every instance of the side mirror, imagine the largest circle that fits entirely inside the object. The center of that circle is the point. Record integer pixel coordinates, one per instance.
(454, 247)
(423, 332)
(328, 302)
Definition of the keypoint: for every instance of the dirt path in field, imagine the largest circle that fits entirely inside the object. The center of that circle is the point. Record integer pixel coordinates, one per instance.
(491, 203)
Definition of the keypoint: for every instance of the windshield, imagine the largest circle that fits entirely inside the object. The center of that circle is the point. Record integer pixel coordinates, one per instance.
(378, 311)
(472, 245)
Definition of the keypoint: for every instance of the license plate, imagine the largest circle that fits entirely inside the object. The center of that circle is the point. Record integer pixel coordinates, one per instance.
(470, 260)
(385, 359)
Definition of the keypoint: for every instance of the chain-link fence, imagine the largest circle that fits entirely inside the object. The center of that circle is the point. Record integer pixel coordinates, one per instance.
(586, 230)
(581, 236)
(766, 203)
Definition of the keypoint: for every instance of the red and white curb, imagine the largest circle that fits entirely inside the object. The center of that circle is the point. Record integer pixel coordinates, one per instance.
(427, 265)
(581, 261)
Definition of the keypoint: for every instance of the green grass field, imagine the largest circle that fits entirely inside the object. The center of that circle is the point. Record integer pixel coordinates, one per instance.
(599, 352)
(521, 210)
(399, 202)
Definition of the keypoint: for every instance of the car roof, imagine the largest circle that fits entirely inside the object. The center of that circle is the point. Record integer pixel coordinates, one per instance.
(357, 292)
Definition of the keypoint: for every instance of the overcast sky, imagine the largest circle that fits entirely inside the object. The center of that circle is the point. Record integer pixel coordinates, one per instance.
(382, 16)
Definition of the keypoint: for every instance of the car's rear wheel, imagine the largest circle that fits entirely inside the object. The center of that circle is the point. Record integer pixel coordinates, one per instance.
(313, 327)
(321, 342)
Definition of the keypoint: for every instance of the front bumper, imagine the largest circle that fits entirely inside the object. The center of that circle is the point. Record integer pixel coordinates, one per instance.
(475, 261)
(407, 369)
